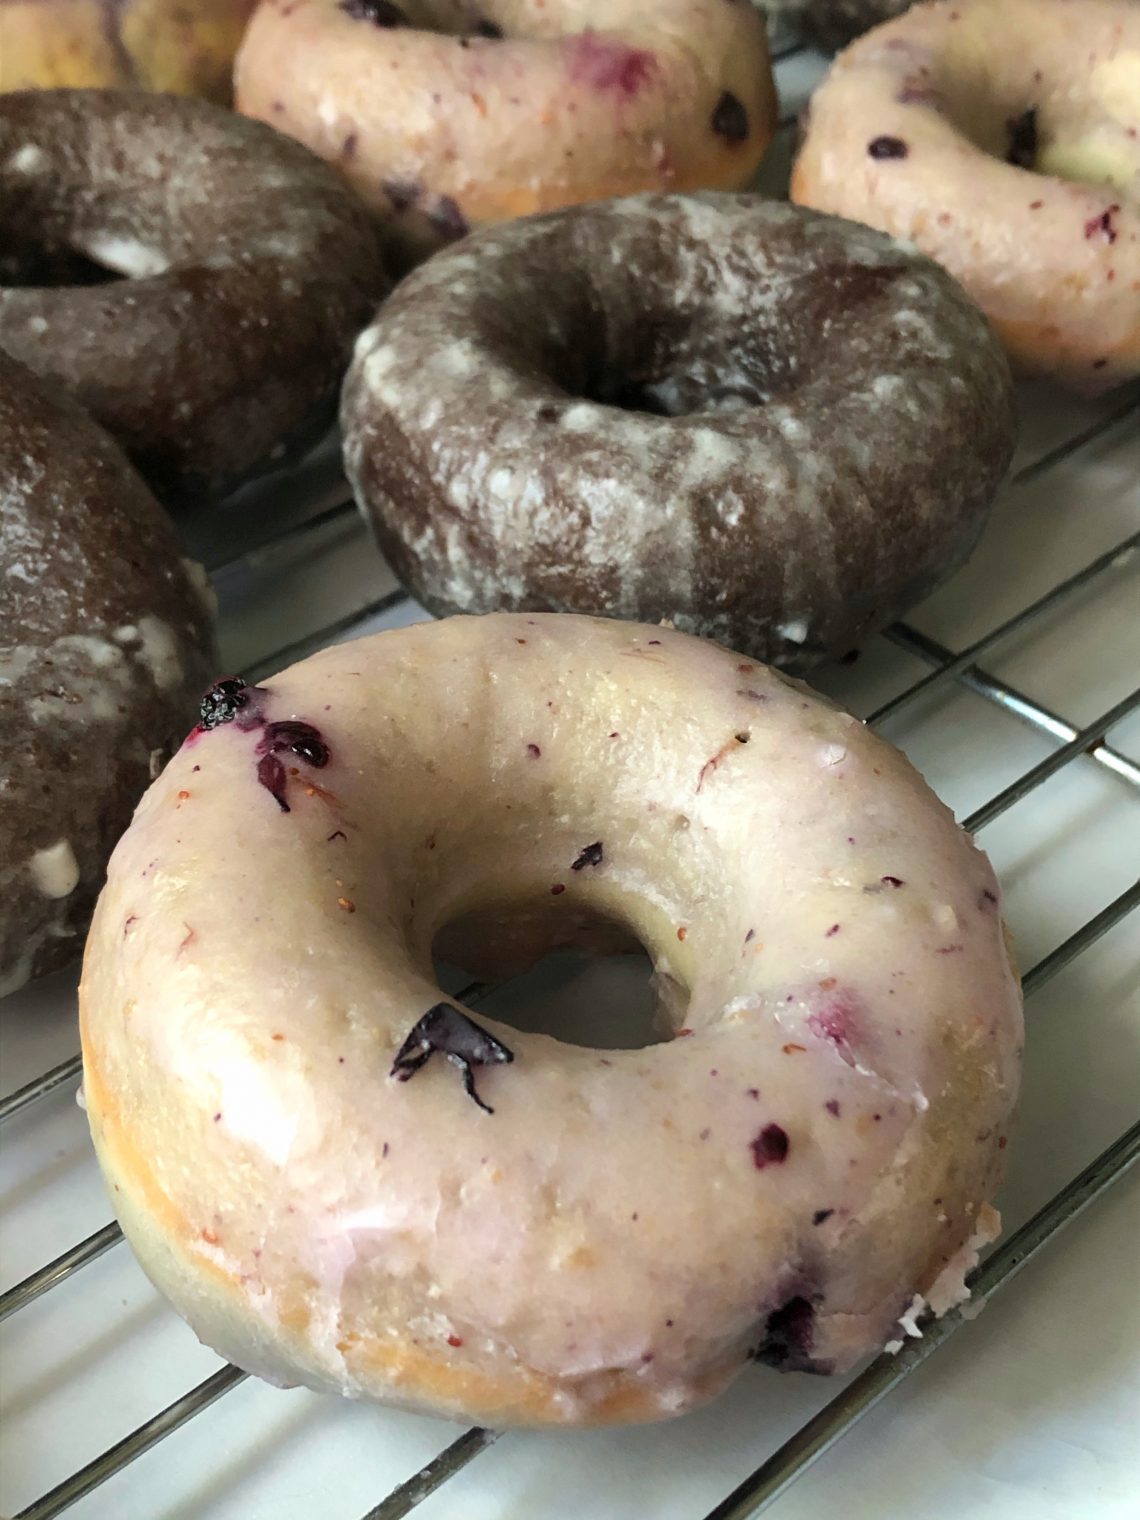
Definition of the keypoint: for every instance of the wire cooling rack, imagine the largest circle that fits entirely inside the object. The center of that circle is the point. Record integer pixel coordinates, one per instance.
(1008, 689)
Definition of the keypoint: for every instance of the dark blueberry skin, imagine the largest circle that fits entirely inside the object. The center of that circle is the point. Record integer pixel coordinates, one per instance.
(788, 1336)
(233, 700)
(448, 220)
(224, 700)
(887, 147)
(770, 1147)
(590, 856)
(402, 192)
(302, 739)
(730, 119)
(464, 1043)
(271, 775)
(293, 737)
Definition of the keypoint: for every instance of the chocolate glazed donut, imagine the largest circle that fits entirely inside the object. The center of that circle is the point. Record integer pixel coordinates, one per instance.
(775, 428)
(214, 273)
(104, 644)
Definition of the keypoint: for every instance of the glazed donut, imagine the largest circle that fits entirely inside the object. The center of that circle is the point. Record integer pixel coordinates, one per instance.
(833, 23)
(836, 419)
(104, 644)
(194, 279)
(445, 116)
(1015, 164)
(344, 1178)
(156, 44)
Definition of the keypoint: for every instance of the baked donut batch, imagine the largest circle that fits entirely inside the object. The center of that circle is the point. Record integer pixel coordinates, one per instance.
(622, 407)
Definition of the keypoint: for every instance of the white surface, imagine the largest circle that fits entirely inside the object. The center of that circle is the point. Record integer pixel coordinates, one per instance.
(1030, 1411)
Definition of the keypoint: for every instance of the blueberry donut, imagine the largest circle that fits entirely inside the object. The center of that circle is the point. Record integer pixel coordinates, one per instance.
(193, 278)
(447, 117)
(343, 1177)
(1003, 136)
(104, 641)
(765, 425)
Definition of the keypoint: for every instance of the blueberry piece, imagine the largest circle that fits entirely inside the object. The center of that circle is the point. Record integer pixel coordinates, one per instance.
(464, 1043)
(223, 701)
(730, 119)
(887, 147)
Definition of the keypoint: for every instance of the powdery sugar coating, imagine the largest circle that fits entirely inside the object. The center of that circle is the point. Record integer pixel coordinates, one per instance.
(845, 416)
(104, 645)
(295, 1117)
(247, 271)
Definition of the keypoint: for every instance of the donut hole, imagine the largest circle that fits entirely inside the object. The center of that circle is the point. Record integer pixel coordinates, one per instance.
(1014, 131)
(448, 18)
(581, 999)
(679, 395)
(1027, 122)
(695, 357)
(684, 372)
(580, 978)
(49, 263)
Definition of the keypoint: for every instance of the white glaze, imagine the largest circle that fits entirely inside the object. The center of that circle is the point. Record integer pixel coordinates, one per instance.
(605, 1245)
(578, 100)
(125, 255)
(29, 160)
(55, 869)
(1061, 287)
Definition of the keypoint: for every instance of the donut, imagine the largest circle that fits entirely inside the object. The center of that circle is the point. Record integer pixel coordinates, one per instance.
(194, 279)
(833, 23)
(1003, 137)
(501, 109)
(343, 1177)
(155, 44)
(768, 426)
(105, 642)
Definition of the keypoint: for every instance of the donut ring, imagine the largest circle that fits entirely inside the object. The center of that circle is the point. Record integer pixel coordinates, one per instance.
(233, 271)
(1017, 166)
(837, 418)
(511, 109)
(330, 1201)
(155, 44)
(105, 643)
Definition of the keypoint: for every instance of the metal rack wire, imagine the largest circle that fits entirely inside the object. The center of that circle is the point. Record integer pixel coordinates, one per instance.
(1074, 744)
(884, 1374)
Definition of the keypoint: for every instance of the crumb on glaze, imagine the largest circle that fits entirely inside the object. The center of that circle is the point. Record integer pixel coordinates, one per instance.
(770, 1147)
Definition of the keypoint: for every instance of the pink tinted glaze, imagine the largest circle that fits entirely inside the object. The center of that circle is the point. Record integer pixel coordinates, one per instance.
(603, 64)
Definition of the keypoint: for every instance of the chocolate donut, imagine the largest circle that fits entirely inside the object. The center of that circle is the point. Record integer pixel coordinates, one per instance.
(769, 426)
(104, 641)
(215, 275)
